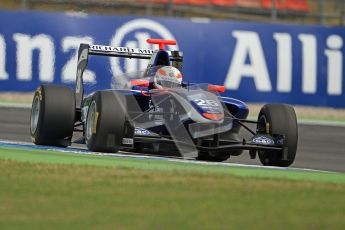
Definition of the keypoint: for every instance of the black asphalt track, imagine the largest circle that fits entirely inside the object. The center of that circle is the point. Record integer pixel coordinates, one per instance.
(320, 147)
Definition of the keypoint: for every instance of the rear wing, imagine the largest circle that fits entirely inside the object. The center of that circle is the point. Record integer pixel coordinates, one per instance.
(85, 50)
(129, 52)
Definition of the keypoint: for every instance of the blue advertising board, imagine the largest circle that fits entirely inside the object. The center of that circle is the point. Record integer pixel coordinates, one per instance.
(256, 62)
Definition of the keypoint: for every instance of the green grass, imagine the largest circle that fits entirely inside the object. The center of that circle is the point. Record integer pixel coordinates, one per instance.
(14, 104)
(53, 157)
(58, 190)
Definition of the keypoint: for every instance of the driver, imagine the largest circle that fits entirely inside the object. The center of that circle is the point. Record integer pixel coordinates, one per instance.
(167, 77)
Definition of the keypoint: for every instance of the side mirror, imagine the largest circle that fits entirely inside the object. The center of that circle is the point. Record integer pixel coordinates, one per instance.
(216, 88)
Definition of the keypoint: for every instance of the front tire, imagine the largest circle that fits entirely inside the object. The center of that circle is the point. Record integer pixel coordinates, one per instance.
(282, 120)
(105, 122)
(52, 115)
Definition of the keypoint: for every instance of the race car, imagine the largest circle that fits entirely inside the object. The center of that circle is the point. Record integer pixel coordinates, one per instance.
(156, 112)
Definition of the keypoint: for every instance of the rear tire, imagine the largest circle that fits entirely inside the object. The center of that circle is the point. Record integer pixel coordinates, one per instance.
(282, 120)
(105, 122)
(52, 115)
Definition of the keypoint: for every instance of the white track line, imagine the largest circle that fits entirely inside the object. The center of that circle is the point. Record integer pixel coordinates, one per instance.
(79, 150)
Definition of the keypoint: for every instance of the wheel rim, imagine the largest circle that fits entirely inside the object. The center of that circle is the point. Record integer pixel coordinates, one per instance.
(90, 121)
(262, 124)
(35, 113)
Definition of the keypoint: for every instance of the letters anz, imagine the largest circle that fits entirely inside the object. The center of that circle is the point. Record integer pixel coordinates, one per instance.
(249, 44)
(46, 49)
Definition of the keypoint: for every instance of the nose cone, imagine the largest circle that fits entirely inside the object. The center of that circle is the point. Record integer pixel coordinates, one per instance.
(208, 106)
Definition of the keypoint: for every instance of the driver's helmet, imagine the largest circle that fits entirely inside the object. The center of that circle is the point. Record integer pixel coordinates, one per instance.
(167, 77)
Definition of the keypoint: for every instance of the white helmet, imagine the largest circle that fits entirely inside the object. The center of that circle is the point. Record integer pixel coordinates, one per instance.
(167, 77)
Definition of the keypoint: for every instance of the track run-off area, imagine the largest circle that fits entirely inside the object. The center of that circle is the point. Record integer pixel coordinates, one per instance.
(320, 146)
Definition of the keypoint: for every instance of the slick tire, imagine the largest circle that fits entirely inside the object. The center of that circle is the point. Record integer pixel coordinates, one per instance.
(282, 120)
(52, 115)
(105, 122)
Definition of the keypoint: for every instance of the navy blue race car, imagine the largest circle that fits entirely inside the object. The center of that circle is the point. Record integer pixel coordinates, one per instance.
(156, 112)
